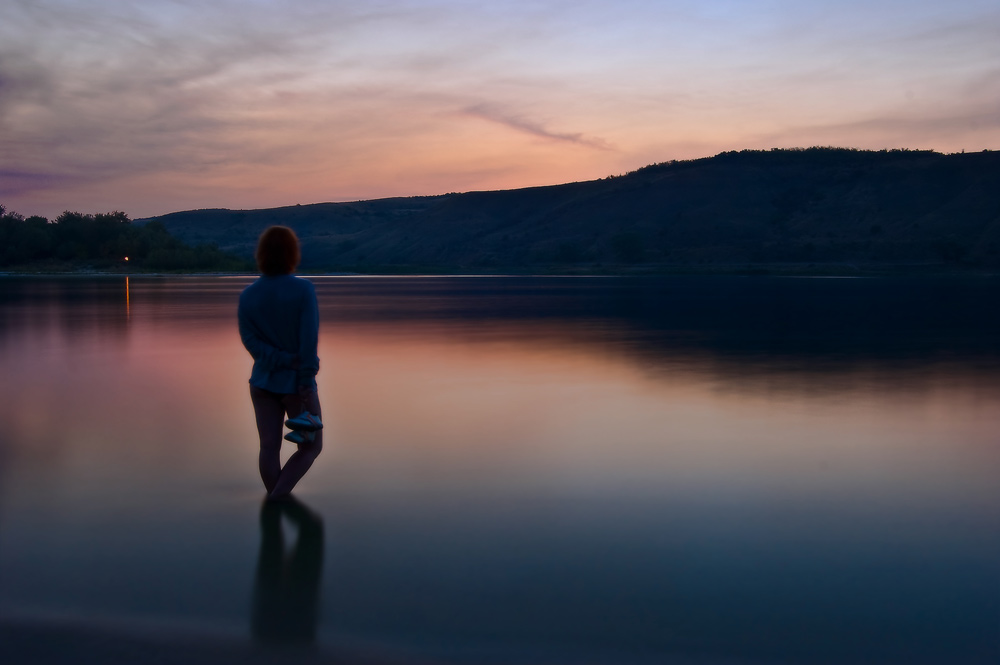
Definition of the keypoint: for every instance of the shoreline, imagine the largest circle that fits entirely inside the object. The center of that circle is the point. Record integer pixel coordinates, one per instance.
(742, 270)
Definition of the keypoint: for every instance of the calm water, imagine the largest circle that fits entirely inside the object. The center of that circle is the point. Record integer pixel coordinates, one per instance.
(589, 470)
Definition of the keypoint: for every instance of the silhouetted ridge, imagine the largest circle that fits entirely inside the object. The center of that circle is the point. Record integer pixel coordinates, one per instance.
(840, 208)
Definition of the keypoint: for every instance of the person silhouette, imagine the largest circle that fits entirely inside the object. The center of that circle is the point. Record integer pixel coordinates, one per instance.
(286, 587)
(279, 325)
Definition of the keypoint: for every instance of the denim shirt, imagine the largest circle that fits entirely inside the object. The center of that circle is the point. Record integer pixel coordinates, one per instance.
(279, 325)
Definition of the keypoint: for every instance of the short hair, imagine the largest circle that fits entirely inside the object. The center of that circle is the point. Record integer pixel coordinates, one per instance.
(278, 251)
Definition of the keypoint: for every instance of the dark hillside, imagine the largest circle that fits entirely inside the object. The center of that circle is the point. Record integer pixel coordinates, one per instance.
(818, 206)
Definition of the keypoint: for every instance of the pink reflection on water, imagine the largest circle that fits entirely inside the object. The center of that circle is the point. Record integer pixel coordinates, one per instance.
(158, 399)
(522, 407)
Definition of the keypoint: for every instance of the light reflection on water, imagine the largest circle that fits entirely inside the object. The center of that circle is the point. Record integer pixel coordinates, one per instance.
(517, 470)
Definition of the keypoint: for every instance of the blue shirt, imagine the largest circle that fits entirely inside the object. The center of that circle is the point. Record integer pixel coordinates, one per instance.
(279, 326)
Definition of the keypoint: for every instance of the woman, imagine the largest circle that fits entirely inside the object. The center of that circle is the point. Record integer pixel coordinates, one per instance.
(279, 326)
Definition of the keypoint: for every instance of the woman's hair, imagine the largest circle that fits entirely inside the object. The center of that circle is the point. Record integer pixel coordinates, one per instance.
(277, 251)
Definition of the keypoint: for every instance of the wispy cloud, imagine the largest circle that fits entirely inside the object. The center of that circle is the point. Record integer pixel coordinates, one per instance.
(13, 181)
(183, 103)
(520, 123)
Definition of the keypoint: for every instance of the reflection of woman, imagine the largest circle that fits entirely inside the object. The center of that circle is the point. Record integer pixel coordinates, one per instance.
(279, 326)
(286, 592)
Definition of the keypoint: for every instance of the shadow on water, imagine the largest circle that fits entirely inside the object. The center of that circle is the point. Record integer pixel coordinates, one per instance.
(286, 589)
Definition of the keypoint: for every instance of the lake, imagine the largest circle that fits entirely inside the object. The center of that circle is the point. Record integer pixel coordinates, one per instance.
(589, 470)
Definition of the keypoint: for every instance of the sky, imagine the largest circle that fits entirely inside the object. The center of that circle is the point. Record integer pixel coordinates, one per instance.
(151, 107)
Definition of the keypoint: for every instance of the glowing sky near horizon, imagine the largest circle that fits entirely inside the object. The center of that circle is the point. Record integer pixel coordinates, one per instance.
(152, 107)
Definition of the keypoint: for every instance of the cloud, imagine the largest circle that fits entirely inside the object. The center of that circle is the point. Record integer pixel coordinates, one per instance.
(222, 91)
(113, 90)
(13, 181)
(522, 124)
(320, 99)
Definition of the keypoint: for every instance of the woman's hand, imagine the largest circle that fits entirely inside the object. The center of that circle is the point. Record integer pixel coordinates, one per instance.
(307, 394)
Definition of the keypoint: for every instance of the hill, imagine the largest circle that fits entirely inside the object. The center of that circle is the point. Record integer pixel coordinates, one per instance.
(841, 209)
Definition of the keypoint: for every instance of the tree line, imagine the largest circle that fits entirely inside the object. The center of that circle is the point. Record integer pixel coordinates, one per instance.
(101, 241)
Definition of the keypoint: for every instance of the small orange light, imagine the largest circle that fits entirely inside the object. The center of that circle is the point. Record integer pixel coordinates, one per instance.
(126, 258)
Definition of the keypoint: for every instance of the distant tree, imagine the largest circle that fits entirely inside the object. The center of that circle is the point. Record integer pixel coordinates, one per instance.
(102, 240)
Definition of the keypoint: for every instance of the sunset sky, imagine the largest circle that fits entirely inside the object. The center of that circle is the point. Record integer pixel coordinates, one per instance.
(155, 106)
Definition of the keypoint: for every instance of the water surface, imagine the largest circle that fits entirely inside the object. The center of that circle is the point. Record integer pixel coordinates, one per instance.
(517, 470)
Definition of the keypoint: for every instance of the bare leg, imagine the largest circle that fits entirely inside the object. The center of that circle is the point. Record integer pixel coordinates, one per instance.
(301, 459)
(270, 414)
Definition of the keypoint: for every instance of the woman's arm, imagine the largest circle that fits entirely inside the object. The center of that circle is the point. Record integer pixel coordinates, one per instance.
(269, 357)
(308, 340)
